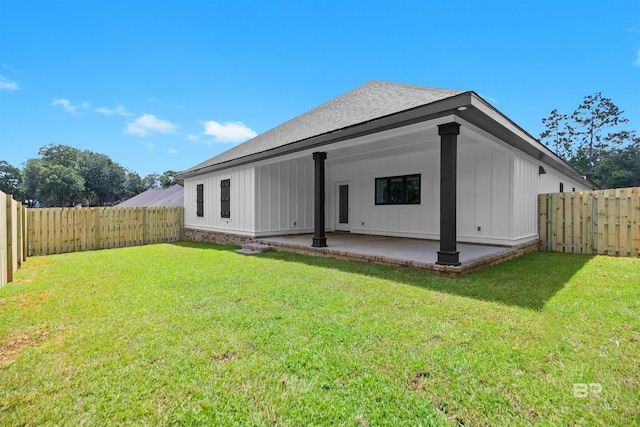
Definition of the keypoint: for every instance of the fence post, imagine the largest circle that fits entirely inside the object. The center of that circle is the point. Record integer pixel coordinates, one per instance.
(3, 241)
(19, 237)
(25, 233)
(98, 234)
(635, 221)
(9, 236)
(542, 220)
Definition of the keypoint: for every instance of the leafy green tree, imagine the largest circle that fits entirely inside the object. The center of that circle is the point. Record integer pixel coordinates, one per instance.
(133, 185)
(60, 185)
(31, 181)
(151, 181)
(592, 117)
(168, 179)
(104, 179)
(592, 141)
(54, 178)
(82, 176)
(10, 180)
(58, 154)
(619, 168)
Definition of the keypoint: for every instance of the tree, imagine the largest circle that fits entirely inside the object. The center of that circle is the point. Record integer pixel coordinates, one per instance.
(60, 185)
(151, 181)
(133, 185)
(619, 168)
(31, 181)
(82, 176)
(104, 179)
(10, 180)
(53, 178)
(58, 154)
(558, 134)
(592, 141)
(168, 179)
(592, 117)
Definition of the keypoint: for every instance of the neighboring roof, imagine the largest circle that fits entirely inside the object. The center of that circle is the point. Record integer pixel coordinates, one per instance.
(172, 196)
(370, 101)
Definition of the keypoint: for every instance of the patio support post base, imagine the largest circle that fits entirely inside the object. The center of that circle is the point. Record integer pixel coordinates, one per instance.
(448, 253)
(319, 242)
(319, 239)
(448, 258)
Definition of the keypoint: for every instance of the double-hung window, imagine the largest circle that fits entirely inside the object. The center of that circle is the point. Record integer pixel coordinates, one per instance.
(398, 190)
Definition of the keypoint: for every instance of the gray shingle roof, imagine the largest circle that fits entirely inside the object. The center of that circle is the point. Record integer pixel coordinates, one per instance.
(172, 196)
(370, 101)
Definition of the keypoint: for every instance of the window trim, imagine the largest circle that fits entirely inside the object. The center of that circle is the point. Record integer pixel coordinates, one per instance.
(403, 190)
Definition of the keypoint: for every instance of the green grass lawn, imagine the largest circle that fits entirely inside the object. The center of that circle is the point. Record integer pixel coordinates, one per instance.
(195, 334)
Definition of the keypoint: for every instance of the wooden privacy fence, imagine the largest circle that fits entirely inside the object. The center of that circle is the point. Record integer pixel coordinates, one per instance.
(13, 233)
(605, 222)
(60, 230)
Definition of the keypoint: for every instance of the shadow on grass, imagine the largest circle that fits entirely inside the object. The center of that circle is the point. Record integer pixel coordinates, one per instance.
(528, 282)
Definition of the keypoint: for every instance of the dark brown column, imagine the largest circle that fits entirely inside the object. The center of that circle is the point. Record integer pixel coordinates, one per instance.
(319, 240)
(448, 254)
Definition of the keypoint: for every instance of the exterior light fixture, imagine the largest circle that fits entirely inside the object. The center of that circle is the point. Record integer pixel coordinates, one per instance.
(462, 108)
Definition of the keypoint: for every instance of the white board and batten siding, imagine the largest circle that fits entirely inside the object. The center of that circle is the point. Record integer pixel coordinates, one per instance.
(484, 194)
(266, 199)
(285, 197)
(395, 220)
(528, 183)
(243, 184)
(497, 195)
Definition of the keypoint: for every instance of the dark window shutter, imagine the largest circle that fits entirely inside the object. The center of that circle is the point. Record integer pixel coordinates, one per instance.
(200, 200)
(225, 198)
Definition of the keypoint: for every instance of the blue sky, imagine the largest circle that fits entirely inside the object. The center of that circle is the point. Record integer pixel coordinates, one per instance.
(160, 85)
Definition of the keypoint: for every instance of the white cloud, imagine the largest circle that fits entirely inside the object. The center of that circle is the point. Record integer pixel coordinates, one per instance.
(66, 105)
(148, 123)
(118, 111)
(637, 60)
(232, 132)
(171, 150)
(6, 84)
(193, 138)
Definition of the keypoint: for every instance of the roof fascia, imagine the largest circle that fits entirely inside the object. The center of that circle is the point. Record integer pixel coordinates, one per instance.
(506, 130)
(478, 112)
(422, 113)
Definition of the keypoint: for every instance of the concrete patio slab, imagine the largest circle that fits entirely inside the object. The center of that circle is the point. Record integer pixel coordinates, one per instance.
(401, 252)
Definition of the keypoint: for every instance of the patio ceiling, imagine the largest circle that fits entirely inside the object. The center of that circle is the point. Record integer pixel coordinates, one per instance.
(412, 138)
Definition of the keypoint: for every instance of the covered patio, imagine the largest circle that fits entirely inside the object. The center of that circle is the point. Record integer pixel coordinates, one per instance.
(400, 252)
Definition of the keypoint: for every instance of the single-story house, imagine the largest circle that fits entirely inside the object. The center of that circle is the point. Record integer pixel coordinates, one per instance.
(383, 159)
(172, 196)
